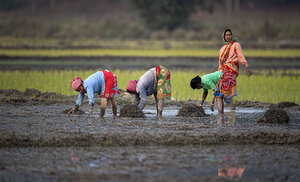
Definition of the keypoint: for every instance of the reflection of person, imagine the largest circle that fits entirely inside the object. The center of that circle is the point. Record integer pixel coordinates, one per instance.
(103, 83)
(231, 171)
(155, 81)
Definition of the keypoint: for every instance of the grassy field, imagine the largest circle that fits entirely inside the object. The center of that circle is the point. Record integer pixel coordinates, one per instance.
(264, 86)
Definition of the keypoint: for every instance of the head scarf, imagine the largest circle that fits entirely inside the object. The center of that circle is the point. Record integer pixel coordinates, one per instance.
(232, 39)
(75, 84)
(132, 85)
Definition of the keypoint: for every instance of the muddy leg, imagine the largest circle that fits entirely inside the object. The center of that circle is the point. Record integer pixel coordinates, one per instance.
(103, 107)
(160, 106)
(114, 107)
(220, 109)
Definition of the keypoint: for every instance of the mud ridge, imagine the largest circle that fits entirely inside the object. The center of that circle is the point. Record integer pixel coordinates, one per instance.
(86, 139)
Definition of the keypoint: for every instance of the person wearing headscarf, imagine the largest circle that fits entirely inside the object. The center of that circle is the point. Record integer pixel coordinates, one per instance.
(223, 81)
(230, 55)
(155, 81)
(103, 83)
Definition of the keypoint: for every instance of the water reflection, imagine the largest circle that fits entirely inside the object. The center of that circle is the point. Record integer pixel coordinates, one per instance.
(230, 168)
(230, 118)
(226, 118)
(232, 172)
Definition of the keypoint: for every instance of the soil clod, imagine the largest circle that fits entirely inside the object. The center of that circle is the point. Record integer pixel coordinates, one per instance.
(191, 110)
(131, 111)
(274, 116)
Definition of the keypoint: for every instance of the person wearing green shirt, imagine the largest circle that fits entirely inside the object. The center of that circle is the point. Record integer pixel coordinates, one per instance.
(207, 82)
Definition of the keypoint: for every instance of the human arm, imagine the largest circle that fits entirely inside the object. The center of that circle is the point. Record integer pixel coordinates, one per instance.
(204, 95)
(241, 57)
(143, 99)
(136, 99)
(77, 103)
(90, 93)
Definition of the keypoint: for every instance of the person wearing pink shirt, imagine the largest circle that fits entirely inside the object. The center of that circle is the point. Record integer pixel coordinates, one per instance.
(230, 56)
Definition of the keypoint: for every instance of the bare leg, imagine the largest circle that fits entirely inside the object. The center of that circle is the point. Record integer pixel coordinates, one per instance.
(114, 107)
(103, 107)
(160, 106)
(220, 109)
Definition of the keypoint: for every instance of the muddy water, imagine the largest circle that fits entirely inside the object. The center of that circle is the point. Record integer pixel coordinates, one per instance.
(151, 163)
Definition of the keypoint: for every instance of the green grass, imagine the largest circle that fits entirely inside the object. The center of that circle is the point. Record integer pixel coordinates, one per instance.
(264, 86)
(287, 53)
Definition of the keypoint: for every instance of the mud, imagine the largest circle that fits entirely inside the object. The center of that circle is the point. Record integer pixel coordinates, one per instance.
(191, 110)
(274, 116)
(131, 111)
(282, 105)
(213, 163)
(41, 125)
(39, 143)
(66, 111)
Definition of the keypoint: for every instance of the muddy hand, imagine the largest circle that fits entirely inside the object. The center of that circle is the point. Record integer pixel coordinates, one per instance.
(212, 107)
(90, 113)
(71, 111)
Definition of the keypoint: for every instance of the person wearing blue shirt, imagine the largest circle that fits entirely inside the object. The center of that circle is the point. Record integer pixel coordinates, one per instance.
(103, 83)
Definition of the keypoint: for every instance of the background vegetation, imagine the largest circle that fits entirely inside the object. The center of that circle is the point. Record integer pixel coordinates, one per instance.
(251, 20)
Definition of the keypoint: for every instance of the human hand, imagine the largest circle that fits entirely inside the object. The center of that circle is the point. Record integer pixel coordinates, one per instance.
(90, 112)
(212, 105)
(248, 71)
(72, 111)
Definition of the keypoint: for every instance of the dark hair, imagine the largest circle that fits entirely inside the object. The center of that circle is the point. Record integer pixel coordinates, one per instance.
(131, 92)
(195, 81)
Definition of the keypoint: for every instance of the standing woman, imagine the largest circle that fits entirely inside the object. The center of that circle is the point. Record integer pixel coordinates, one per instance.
(229, 57)
(103, 83)
(155, 81)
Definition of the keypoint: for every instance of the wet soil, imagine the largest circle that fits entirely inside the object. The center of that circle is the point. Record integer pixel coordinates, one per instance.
(282, 105)
(191, 110)
(274, 116)
(152, 163)
(131, 111)
(66, 111)
(40, 142)
(43, 125)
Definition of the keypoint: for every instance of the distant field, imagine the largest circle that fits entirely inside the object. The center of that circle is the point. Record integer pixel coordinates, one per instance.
(201, 53)
(264, 86)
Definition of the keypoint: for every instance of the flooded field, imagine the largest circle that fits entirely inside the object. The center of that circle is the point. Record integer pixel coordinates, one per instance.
(38, 143)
